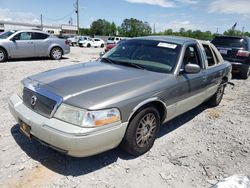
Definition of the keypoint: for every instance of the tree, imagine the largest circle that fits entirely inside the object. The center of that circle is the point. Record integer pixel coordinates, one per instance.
(133, 28)
(102, 27)
(232, 32)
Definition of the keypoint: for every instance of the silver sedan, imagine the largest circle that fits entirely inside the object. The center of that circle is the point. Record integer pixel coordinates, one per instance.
(31, 43)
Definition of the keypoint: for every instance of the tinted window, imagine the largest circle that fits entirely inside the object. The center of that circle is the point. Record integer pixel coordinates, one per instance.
(97, 39)
(229, 42)
(111, 38)
(39, 36)
(152, 55)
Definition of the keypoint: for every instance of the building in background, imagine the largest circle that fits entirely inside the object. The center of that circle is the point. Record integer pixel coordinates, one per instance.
(59, 30)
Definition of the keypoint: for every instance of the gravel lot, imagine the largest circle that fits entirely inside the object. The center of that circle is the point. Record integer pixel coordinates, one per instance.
(194, 150)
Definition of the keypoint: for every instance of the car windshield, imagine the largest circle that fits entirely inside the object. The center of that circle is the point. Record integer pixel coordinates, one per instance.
(229, 42)
(6, 34)
(151, 55)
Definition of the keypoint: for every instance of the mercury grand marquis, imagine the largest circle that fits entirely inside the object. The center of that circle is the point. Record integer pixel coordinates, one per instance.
(121, 99)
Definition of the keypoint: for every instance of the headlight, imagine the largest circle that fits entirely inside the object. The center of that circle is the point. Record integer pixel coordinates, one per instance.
(20, 90)
(83, 118)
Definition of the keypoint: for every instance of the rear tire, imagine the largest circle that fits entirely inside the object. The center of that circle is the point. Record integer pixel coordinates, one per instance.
(245, 74)
(56, 53)
(102, 45)
(88, 45)
(217, 97)
(141, 132)
(3, 55)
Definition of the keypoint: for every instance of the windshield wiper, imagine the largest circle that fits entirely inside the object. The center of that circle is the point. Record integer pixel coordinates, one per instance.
(122, 63)
(133, 65)
(108, 60)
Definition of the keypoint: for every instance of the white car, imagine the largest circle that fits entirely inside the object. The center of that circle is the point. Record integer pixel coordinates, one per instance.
(85, 41)
(98, 42)
(73, 40)
(113, 40)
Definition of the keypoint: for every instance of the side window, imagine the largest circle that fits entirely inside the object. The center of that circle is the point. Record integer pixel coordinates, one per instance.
(25, 36)
(191, 56)
(210, 58)
(217, 61)
(39, 36)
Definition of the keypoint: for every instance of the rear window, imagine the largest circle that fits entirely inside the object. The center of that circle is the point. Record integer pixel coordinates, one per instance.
(111, 38)
(229, 42)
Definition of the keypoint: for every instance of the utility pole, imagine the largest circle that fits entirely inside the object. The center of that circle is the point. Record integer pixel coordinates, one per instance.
(217, 30)
(77, 12)
(41, 22)
(243, 30)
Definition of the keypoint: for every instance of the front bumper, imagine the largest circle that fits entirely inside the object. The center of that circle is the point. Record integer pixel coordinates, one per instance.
(72, 140)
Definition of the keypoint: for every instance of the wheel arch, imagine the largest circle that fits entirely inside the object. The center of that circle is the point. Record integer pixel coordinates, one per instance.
(156, 102)
(53, 46)
(5, 50)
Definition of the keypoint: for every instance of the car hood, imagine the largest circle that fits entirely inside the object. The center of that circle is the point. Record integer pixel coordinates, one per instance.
(96, 85)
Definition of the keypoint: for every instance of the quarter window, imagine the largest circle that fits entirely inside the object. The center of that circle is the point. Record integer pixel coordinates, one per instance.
(210, 58)
(39, 36)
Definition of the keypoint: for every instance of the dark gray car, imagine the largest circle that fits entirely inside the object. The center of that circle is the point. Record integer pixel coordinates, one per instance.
(89, 108)
(31, 43)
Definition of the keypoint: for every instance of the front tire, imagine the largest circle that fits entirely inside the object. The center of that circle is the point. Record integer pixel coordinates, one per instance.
(141, 132)
(102, 45)
(88, 45)
(56, 53)
(3, 55)
(217, 97)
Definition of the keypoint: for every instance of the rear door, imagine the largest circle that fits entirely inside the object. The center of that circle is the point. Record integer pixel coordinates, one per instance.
(22, 45)
(41, 43)
(214, 71)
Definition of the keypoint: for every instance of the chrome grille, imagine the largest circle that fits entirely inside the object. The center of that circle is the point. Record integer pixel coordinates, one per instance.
(42, 105)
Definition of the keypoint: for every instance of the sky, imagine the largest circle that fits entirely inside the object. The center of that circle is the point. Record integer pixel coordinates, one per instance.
(163, 14)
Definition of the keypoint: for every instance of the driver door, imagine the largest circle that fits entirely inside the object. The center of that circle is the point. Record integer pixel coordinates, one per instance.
(194, 84)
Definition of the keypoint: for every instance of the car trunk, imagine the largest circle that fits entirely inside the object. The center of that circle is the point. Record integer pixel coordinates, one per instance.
(232, 49)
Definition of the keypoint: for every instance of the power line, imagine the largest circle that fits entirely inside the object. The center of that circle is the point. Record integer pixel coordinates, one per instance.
(61, 18)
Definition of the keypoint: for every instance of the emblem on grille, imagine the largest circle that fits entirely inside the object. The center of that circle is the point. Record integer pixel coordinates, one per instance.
(33, 100)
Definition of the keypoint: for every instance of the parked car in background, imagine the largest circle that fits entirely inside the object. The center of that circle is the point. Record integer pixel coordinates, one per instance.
(85, 41)
(236, 50)
(73, 41)
(110, 46)
(113, 40)
(98, 43)
(123, 98)
(31, 43)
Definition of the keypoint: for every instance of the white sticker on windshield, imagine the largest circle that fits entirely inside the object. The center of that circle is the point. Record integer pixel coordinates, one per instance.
(167, 45)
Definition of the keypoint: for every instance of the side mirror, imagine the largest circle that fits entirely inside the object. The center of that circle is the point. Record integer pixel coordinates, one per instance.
(102, 53)
(192, 68)
(14, 38)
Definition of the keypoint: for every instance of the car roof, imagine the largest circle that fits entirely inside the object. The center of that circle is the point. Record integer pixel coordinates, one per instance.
(172, 39)
(237, 37)
(30, 30)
